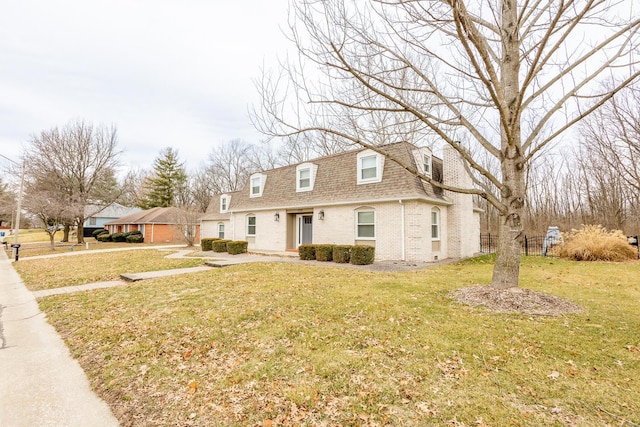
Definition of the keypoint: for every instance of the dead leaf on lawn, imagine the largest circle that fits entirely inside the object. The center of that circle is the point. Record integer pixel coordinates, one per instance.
(193, 387)
(554, 375)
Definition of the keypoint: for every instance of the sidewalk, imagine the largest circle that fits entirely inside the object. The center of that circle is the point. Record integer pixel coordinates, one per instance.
(40, 384)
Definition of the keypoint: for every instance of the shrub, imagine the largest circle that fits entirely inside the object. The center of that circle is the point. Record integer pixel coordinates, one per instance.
(324, 252)
(595, 243)
(237, 247)
(98, 232)
(307, 252)
(341, 253)
(219, 245)
(135, 238)
(207, 243)
(104, 237)
(119, 237)
(362, 255)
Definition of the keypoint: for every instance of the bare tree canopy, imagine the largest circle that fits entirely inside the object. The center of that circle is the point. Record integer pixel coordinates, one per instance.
(68, 168)
(502, 77)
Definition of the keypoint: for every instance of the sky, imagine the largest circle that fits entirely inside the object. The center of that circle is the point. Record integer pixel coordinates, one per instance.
(164, 73)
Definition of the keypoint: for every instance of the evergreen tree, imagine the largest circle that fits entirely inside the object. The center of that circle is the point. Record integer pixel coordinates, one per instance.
(168, 182)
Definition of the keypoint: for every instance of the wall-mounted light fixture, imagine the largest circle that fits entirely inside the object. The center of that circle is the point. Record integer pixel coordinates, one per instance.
(321, 215)
(276, 216)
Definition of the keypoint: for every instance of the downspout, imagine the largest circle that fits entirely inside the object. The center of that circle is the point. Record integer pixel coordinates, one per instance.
(153, 225)
(402, 236)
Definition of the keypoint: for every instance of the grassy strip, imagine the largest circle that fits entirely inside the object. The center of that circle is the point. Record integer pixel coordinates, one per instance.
(56, 272)
(288, 344)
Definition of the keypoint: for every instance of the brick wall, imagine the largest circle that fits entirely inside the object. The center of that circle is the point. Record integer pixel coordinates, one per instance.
(463, 224)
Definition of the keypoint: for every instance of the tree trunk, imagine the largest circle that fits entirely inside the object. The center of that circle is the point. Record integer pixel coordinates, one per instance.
(507, 268)
(80, 231)
(65, 233)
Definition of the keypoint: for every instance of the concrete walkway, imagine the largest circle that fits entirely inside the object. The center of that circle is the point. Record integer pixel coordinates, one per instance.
(40, 384)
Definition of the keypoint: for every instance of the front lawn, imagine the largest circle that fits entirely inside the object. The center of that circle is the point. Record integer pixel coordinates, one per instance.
(48, 273)
(284, 344)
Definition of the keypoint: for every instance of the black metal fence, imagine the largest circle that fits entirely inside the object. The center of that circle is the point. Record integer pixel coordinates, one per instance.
(535, 245)
(531, 245)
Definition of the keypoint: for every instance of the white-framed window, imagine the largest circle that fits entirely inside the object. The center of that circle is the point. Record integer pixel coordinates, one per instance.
(251, 225)
(426, 164)
(365, 225)
(305, 176)
(256, 184)
(224, 202)
(221, 230)
(369, 167)
(435, 224)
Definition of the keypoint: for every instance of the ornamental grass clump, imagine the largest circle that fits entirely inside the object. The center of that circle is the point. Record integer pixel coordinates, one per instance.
(595, 243)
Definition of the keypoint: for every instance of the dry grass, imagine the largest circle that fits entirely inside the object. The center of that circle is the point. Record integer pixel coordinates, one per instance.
(285, 344)
(56, 272)
(595, 243)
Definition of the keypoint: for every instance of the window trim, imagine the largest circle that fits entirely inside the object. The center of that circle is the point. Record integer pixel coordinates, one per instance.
(254, 225)
(303, 167)
(437, 224)
(221, 225)
(224, 203)
(378, 166)
(358, 223)
(262, 179)
(427, 164)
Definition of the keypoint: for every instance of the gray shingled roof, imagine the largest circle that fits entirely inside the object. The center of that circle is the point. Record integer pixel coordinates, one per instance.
(150, 216)
(336, 182)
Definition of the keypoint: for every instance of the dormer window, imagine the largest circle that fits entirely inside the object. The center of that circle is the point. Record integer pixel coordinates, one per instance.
(424, 161)
(305, 176)
(369, 167)
(426, 164)
(224, 203)
(257, 182)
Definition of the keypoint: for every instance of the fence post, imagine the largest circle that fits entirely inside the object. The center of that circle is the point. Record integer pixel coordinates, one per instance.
(526, 246)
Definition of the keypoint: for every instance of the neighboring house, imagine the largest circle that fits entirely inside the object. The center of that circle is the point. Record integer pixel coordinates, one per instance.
(159, 225)
(98, 215)
(357, 197)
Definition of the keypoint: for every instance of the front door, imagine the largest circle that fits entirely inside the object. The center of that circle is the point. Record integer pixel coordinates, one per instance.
(304, 229)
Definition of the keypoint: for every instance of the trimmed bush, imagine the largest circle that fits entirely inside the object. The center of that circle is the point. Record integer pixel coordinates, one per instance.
(307, 252)
(104, 237)
(135, 238)
(595, 243)
(98, 232)
(207, 243)
(219, 245)
(341, 254)
(324, 252)
(362, 255)
(119, 237)
(237, 247)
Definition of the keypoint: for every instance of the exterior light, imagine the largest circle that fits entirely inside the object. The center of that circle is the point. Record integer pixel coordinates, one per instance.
(276, 216)
(321, 215)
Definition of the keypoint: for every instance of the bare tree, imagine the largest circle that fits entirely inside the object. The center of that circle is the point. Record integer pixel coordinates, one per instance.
(133, 187)
(612, 135)
(504, 77)
(230, 165)
(186, 224)
(76, 164)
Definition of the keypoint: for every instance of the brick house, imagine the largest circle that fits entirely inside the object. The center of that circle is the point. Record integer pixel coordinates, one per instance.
(357, 197)
(158, 225)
